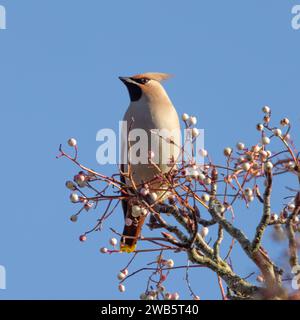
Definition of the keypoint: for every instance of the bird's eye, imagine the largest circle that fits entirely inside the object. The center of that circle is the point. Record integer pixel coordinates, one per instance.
(142, 80)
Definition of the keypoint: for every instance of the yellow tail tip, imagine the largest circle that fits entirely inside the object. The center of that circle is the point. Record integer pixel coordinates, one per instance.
(127, 248)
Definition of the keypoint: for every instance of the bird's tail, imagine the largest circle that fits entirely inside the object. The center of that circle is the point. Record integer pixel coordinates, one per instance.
(130, 236)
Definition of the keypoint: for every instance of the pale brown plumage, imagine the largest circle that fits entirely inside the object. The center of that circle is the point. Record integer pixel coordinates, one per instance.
(150, 108)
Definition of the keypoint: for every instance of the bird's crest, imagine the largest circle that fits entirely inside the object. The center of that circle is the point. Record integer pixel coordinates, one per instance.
(153, 76)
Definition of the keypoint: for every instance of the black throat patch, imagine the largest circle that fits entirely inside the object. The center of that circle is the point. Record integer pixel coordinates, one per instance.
(135, 92)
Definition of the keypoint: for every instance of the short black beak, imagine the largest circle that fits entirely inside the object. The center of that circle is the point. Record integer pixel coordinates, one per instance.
(124, 79)
(127, 80)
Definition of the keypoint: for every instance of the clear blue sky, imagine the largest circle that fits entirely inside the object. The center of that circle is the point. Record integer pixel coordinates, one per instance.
(59, 68)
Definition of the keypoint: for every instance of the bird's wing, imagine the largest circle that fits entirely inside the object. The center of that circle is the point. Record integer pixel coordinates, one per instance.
(124, 202)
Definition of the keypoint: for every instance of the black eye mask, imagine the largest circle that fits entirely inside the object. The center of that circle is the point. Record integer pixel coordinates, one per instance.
(141, 80)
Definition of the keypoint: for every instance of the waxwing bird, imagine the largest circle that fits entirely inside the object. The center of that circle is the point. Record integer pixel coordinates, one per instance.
(152, 112)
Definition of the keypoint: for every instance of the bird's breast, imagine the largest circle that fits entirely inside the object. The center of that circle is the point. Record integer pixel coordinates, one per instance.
(160, 124)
